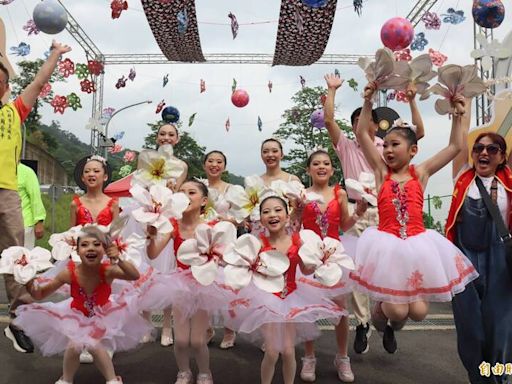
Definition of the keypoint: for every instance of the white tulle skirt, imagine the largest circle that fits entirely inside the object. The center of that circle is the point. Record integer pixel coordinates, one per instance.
(424, 267)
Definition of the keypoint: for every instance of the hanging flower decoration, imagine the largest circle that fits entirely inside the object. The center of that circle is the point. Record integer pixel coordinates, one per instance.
(66, 67)
(202, 86)
(227, 125)
(269, 85)
(165, 80)
(157, 167)
(24, 263)
(117, 7)
(81, 71)
(326, 256)
(6, 2)
(31, 28)
(391, 96)
(160, 106)
(431, 20)
(260, 124)
(419, 43)
(59, 104)
(401, 96)
(246, 202)
(234, 25)
(364, 188)
(129, 156)
(45, 91)
(182, 18)
(158, 205)
(64, 244)
(74, 101)
(125, 170)
(233, 86)
(95, 67)
(455, 80)
(302, 81)
(438, 59)
(352, 83)
(121, 82)
(23, 49)
(116, 148)
(358, 6)
(106, 115)
(87, 86)
(132, 74)
(206, 250)
(403, 55)
(245, 263)
(191, 119)
(489, 51)
(453, 17)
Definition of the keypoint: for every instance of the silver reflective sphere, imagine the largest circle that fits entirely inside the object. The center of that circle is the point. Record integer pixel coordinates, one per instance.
(50, 17)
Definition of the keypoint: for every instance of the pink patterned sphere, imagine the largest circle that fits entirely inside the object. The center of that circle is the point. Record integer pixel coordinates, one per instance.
(317, 118)
(397, 33)
(240, 98)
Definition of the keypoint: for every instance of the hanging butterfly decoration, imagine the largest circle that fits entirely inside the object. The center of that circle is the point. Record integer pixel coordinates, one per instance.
(117, 7)
(6, 2)
(453, 17)
(202, 86)
(95, 67)
(337, 73)
(121, 82)
(438, 59)
(132, 74)
(74, 101)
(118, 136)
(45, 91)
(419, 43)
(299, 20)
(81, 71)
(66, 67)
(431, 20)
(160, 106)
(182, 18)
(191, 119)
(107, 113)
(87, 86)
(23, 49)
(31, 28)
(227, 125)
(165, 80)
(352, 83)
(391, 96)
(269, 85)
(59, 104)
(233, 86)
(302, 81)
(358, 6)
(234, 25)
(260, 124)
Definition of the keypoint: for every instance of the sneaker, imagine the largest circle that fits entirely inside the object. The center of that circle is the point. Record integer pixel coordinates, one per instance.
(307, 372)
(210, 334)
(86, 357)
(342, 365)
(379, 319)
(204, 378)
(228, 341)
(117, 380)
(184, 378)
(363, 332)
(397, 325)
(20, 341)
(166, 338)
(389, 340)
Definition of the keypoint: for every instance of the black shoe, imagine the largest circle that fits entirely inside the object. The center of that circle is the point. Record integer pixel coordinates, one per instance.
(389, 340)
(363, 332)
(20, 341)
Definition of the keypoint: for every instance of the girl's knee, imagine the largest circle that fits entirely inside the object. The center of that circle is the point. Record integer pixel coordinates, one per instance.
(198, 342)
(272, 355)
(418, 310)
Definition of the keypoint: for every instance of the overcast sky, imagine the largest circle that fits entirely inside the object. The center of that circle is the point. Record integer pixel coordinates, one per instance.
(131, 34)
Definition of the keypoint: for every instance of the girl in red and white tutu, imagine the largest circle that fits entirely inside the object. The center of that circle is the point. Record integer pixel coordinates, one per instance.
(280, 314)
(92, 318)
(400, 264)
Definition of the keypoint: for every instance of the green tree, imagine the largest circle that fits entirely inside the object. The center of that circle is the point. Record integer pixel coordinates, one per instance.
(297, 129)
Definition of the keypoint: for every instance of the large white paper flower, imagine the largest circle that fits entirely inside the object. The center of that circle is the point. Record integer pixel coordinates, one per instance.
(24, 263)
(364, 188)
(326, 256)
(64, 244)
(205, 252)
(158, 205)
(418, 72)
(157, 167)
(131, 248)
(488, 51)
(246, 202)
(246, 263)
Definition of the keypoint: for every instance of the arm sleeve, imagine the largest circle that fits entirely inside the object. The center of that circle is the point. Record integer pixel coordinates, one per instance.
(34, 192)
(22, 109)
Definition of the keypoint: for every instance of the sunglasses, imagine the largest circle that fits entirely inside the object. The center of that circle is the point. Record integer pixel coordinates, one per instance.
(492, 149)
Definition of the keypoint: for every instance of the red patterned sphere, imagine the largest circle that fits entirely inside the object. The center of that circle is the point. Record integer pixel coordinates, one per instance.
(397, 33)
(240, 98)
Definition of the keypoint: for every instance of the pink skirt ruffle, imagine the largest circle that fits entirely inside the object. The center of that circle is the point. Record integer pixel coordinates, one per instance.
(424, 267)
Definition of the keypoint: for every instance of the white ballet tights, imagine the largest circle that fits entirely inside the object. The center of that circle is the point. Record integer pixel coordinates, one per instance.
(271, 356)
(102, 360)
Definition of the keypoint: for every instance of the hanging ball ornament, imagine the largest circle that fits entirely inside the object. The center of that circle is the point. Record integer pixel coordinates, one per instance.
(397, 33)
(50, 17)
(488, 13)
(315, 3)
(170, 114)
(240, 98)
(317, 118)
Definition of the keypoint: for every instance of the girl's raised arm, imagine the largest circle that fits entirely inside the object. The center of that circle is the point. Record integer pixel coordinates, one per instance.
(123, 270)
(462, 158)
(156, 244)
(40, 292)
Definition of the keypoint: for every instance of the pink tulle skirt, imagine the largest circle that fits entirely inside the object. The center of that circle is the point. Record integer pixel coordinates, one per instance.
(424, 267)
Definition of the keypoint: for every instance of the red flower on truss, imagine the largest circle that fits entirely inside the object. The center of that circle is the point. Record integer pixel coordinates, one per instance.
(66, 67)
(45, 91)
(403, 55)
(437, 57)
(95, 67)
(118, 6)
(59, 104)
(87, 86)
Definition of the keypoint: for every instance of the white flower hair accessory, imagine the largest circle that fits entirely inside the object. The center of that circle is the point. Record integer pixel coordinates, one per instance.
(24, 263)
(399, 123)
(99, 158)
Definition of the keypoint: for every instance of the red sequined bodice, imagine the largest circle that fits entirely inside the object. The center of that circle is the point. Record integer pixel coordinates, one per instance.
(83, 215)
(81, 300)
(293, 256)
(401, 209)
(327, 223)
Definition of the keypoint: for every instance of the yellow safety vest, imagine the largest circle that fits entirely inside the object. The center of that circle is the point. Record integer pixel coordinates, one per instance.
(10, 146)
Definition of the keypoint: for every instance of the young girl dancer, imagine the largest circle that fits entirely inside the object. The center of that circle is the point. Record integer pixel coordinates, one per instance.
(191, 309)
(400, 264)
(168, 134)
(282, 319)
(326, 219)
(272, 154)
(90, 318)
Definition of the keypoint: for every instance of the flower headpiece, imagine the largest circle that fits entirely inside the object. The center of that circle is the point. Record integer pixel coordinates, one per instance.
(99, 158)
(399, 123)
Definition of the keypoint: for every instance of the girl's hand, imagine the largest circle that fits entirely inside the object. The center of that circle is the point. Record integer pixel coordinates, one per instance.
(113, 253)
(333, 81)
(60, 48)
(32, 287)
(151, 231)
(410, 92)
(369, 90)
(459, 104)
(361, 207)
(171, 184)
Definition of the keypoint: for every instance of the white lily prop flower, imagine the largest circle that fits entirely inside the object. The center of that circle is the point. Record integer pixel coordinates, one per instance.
(364, 187)
(246, 202)
(64, 244)
(455, 80)
(383, 71)
(131, 248)
(488, 51)
(326, 256)
(24, 263)
(210, 213)
(158, 205)
(205, 252)
(245, 263)
(418, 72)
(157, 167)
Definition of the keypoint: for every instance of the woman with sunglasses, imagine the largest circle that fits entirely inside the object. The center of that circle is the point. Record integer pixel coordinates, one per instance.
(483, 311)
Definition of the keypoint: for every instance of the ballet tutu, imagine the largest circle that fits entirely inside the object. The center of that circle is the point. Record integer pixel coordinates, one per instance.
(116, 326)
(423, 267)
(263, 317)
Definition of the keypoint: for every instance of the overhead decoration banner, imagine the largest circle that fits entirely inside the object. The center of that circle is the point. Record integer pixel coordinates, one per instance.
(303, 32)
(174, 25)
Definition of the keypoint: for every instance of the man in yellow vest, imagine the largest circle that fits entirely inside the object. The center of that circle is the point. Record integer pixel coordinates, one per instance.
(12, 230)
